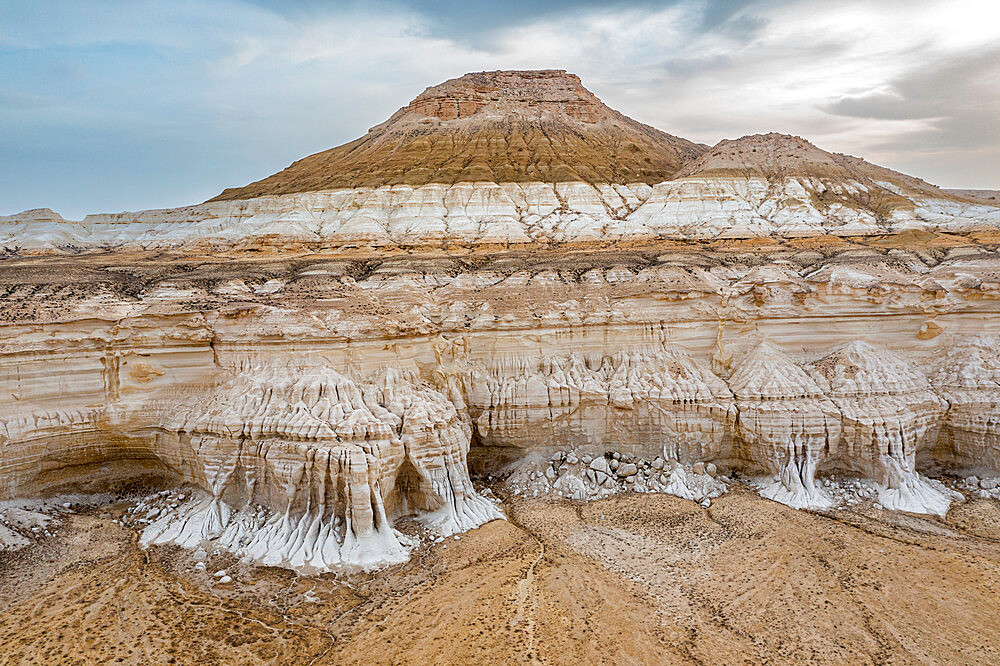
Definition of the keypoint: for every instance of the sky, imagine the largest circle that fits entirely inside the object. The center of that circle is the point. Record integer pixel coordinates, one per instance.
(126, 105)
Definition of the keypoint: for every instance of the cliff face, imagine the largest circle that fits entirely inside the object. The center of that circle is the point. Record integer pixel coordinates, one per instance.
(320, 364)
(355, 387)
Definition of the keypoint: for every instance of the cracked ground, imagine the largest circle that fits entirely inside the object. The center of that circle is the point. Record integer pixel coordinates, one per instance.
(632, 579)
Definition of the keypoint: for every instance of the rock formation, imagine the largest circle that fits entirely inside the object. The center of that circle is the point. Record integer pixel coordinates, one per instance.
(491, 127)
(505, 275)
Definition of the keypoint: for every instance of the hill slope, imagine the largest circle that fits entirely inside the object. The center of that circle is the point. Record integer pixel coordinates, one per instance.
(504, 126)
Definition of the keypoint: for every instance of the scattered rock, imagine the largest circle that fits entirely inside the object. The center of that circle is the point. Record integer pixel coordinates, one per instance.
(628, 469)
(599, 464)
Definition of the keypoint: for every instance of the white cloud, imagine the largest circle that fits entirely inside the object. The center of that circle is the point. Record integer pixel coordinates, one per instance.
(247, 89)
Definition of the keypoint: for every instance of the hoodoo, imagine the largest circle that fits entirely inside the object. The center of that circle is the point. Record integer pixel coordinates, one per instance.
(510, 277)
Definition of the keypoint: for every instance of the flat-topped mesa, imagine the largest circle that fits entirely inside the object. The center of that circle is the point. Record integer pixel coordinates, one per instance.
(503, 126)
(539, 95)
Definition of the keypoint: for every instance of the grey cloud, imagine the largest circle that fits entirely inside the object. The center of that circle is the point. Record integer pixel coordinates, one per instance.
(463, 20)
(738, 65)
(959, 98)
(882, 105)
(743, 28)
(736, 19)
(477, 22)
(959, 102)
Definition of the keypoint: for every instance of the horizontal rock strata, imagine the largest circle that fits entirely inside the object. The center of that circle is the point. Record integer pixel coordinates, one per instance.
(484, 213)
(338, 390)
(504, 271)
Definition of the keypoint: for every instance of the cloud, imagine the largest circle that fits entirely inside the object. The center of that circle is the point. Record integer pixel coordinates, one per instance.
(958, 97)
(955, 100)
(113, 104)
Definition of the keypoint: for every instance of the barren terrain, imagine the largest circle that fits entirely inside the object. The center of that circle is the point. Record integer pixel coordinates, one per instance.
(632, 579)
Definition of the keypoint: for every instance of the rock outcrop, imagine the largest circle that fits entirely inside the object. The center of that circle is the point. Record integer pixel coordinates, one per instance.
(640, 401)
(969, 379)
(335, 459)
(334, 352)
(785, 423)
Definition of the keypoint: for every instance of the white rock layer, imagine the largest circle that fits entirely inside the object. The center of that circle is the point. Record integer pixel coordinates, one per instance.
(474, 213)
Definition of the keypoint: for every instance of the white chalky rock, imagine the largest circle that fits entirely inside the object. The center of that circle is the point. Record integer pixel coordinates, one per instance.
(784, 425)
(282, 402)
(334, 459)
(888, 412)
(599, 464)
(969, 380)
(627, 470)
(639, 398)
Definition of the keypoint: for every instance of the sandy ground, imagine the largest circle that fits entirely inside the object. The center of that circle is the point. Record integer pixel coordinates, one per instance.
(635, 579)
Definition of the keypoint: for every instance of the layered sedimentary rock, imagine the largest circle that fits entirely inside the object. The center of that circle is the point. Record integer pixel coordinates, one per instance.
(302, 465)
(491, 127)
(785, 423)
(969, 379)
(639, 400)
(335, 459)
(485, 213)
(785, 361)
(504, 271)
(529, 158)
(888, 412)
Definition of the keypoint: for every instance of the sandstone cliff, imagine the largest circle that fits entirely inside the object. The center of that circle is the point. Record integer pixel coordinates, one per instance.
(320, 363)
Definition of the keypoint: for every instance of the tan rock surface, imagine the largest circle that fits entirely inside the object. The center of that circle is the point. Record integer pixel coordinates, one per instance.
(648, 350)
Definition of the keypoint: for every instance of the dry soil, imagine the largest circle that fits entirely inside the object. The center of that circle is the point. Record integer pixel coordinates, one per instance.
(634, 579)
